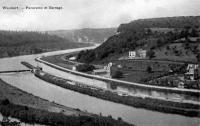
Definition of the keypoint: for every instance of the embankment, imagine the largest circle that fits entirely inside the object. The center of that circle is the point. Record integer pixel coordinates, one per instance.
(124, 83)
(186, 109)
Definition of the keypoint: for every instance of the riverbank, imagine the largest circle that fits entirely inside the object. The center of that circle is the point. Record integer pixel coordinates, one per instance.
(17, 96)
(139, 102)
(32, 109)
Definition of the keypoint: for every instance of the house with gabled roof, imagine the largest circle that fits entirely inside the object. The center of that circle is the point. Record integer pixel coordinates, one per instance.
(193, 71)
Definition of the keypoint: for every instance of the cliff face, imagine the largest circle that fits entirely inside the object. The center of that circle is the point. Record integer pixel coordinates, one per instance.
(153, 35)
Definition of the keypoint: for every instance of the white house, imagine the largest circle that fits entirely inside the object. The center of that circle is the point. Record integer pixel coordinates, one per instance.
(137, 54)
(74, 68)
(72, 58)
(105, 71)
(132, 54)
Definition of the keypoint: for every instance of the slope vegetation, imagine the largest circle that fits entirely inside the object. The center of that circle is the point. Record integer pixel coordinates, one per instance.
(13, 43)
(155, 35)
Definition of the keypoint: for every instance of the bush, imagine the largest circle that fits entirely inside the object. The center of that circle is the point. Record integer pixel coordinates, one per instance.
(117, 74)
(149, 69)
(5, 102)
(198, 57)
(151, 54)
(85, 67)
(177, 68)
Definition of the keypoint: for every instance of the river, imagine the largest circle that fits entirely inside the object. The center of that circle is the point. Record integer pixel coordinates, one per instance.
(28, 82)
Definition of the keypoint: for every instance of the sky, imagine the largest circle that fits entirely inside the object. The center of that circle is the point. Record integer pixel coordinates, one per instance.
(76, 14)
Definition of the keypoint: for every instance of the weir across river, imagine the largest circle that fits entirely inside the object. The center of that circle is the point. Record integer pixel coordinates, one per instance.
(15, 71)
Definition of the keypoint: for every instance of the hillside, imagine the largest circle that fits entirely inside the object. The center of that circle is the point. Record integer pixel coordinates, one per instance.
(158, 36)
(85, 35)
(167, 22)
(14, 43)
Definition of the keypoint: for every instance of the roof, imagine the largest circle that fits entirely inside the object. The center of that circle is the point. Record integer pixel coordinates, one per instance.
(72, 58)
(192, 66)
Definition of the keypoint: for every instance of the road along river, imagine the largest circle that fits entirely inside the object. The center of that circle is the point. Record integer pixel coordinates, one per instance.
(28, 82)
(142, 90)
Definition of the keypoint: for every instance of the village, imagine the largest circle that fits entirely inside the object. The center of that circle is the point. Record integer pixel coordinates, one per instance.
(137, 67)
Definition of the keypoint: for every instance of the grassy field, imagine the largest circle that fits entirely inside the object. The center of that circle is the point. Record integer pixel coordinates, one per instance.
(178, 52)
(138, 76)
(57, 59)
(136, 70)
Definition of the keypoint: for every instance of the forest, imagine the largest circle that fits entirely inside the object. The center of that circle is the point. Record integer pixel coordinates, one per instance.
(14, 43)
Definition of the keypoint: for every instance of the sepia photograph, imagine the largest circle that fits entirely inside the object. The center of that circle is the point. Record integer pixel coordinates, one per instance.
(99, 62)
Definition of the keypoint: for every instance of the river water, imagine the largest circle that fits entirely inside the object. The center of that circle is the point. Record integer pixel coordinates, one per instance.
(28, 82)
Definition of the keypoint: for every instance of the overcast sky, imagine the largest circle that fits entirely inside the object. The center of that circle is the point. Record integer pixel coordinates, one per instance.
(89, 13)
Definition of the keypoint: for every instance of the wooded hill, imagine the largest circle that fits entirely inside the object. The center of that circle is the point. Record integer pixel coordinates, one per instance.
(98, 35)
(152, 35)
(13, 43)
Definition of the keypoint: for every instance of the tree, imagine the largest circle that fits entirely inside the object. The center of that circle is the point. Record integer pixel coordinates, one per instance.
(151, 54)
(5, 102)
(194, 33)
(117, 74)
(167, 48)
(198, 57)
(149, 69)
(160, 42)
(85, 67)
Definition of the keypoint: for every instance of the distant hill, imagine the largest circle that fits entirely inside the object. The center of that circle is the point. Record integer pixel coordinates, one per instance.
(156, 35)
(166, 22)
(14, 43)
(85, 35)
